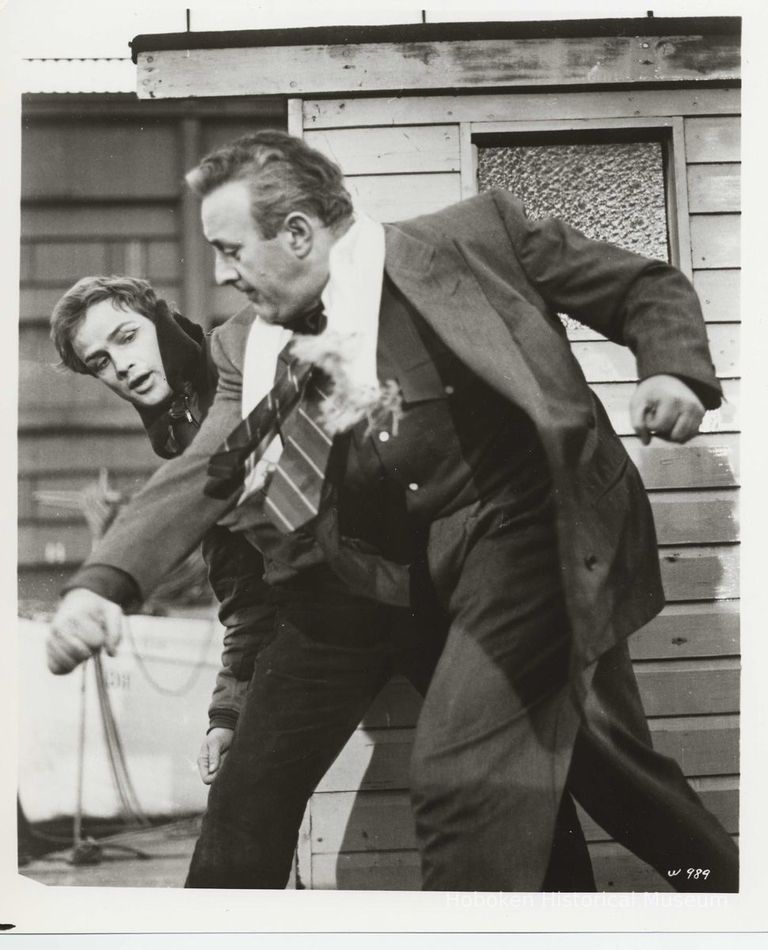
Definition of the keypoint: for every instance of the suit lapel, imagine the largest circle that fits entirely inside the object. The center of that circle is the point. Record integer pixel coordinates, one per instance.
(521, 356)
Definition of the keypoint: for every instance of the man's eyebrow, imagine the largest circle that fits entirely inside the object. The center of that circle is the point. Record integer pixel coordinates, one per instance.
(223, 245)
(110, 337)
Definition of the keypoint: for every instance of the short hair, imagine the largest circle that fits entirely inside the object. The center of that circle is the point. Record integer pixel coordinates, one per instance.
(69, 312)
(284, 175)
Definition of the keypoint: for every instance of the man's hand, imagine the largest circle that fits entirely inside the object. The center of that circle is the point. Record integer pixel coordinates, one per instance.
(84, 623)
(212, 752)
(664, 406)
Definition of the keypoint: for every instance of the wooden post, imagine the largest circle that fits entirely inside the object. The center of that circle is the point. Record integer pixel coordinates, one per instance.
(195, 255)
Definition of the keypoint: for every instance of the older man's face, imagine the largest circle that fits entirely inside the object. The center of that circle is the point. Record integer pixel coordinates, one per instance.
(279, 276)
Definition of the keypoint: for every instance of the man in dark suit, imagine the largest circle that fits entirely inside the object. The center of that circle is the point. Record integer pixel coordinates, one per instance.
(482, 478)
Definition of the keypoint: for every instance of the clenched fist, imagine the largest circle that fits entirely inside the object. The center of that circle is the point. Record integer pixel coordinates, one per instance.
(664, 406)
(84, 624)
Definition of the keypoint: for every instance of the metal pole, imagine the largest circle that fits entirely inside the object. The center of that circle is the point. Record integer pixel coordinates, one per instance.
(78, 824)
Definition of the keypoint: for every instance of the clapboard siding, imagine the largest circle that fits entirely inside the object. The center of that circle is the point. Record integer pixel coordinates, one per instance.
(429, 148)
(714, 188)
(351, 112)
(88, 160)
(714, 138)
(701, 517)
(716, 240)
(720, 294)
(37, 301)
(603, 361)
(689, 630)
(394, 197)
(708, 572)
(708, 461)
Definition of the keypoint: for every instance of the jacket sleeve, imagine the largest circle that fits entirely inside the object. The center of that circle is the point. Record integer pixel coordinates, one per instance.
(645, 304)
(170, 515)
(235, 570)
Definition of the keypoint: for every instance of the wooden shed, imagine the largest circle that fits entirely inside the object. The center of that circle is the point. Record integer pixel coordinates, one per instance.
(630, 130)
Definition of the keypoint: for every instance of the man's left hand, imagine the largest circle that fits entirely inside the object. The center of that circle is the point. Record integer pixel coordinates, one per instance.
(664, 406)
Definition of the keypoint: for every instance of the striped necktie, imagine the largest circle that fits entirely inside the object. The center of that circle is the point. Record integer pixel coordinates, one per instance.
(292, 409)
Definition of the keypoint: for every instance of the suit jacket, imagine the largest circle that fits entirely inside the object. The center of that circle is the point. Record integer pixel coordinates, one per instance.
(490, 282)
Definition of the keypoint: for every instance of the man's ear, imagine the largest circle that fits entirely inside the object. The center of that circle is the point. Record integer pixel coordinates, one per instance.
(299, 231)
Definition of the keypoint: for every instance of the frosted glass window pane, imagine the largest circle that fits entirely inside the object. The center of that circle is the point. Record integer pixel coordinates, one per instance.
(610, 191)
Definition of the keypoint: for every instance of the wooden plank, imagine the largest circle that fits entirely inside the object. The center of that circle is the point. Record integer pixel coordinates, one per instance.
(468, 161)
(377, 67)
(716, 240)
(396, 197)
(706, 745)
(714, 138)
(86, 420)
(51, 452)
(348, 822)
(500, 107)
(37, 302)
(385, 151)
(708, 461)
(372, 759)
(303, 860)
(69, 398)
(689, 630)
(701, 517)
(53, 544)
(294, 116)
(689, 687)
(65, 260)
(98, 222)
(714, 188)
(354, 822)
(616, 396)
(720, 294)
(89, 159)
(678, 211)
(390, 871)
(700, 573)
(604, 361)
(43, 385)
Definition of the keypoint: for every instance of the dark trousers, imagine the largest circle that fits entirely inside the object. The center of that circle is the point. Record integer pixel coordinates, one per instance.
(310, 689)
(502, 729)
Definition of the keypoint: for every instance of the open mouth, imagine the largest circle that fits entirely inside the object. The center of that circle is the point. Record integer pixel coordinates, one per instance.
(141, 383)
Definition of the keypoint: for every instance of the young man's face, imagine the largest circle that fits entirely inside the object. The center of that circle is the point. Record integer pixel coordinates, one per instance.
(282, 276)
(120, 348)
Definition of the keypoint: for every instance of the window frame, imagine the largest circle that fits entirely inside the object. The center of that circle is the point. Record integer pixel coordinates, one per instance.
(671, 130)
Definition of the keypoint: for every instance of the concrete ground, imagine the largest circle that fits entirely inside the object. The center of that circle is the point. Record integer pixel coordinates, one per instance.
(166, 851)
